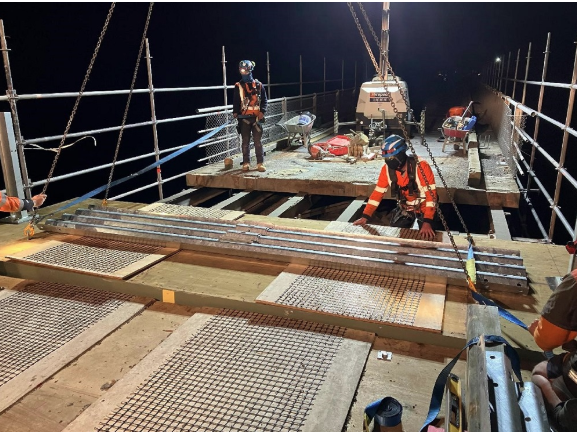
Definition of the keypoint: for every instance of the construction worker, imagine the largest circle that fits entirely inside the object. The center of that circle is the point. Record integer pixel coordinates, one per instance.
(414, 201)
(557, 377)
(249, 108)
(15, 204)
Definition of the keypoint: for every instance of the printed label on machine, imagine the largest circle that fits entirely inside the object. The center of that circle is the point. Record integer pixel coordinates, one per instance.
(378, 97)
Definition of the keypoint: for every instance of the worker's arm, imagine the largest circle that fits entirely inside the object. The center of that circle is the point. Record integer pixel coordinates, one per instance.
(14, 204)
(430, 197)
(376, 197)
(558, 322)
(236, 101)
(263, 99)
(548, 336)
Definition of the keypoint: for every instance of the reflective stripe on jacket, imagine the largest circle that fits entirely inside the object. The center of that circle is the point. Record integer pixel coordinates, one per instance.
(424, 203)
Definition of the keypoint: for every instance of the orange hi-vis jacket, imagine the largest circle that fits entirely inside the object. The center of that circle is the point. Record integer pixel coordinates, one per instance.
(558, 321)
(13, 204)
(424, 203)
(249, 99)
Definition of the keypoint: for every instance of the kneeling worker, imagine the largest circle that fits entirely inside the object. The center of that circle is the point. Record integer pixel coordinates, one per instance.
(414, 200)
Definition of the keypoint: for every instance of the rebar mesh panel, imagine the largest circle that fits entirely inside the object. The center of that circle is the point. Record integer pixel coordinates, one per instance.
(43, 317)
(384, 231)
(86, 258)
(116, 245)
(240, 372)
(357, 295)
(178, 210)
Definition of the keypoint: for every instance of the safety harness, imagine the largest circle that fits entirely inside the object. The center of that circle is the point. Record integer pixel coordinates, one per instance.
(249, 97)
(412, 186)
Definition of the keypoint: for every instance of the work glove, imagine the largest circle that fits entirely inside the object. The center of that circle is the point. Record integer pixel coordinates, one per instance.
(261, 116)
(235, 115)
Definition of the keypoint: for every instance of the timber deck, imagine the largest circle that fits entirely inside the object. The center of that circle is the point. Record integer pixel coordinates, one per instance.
(291, 171)
(188, 282)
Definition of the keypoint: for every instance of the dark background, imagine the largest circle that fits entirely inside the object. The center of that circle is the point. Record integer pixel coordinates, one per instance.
(433, 46)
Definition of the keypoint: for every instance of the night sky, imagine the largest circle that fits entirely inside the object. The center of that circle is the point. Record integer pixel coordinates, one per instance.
(52, 43)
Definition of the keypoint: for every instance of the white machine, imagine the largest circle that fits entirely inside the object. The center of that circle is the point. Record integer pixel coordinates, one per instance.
(375, 115)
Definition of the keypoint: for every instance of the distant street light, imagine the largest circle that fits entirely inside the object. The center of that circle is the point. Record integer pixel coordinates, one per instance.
(498, 59)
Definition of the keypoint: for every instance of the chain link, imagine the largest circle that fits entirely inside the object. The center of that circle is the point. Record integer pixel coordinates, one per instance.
(142, 41)
(377, 68)
(29, 230)
(401, 121)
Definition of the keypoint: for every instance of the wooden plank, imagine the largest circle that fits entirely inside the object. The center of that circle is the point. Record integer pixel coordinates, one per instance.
(123, 273)
(35, 375)
(481, 320)
(351, 210)
(432, 304)
(333, 400)
(272, 293)
(291, 207)
(91, 418)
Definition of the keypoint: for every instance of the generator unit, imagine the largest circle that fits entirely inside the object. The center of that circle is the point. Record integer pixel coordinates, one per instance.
(374, 114)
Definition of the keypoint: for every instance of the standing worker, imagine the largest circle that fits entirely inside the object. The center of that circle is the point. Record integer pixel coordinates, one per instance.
(14, 204)
(249, 108)
(414, 200)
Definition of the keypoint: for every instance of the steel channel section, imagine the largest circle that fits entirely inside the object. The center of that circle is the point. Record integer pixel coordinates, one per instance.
(256, 240)
(485, 267)
(501, 259)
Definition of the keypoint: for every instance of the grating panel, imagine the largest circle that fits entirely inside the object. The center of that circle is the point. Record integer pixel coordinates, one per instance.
(377, 230)
(240, 372)
(178, 210)
(43, 317)
(357, 295)
(116, 245)
(86, 258)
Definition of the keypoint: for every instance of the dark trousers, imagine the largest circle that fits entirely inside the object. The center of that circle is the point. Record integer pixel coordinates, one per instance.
(248, 126)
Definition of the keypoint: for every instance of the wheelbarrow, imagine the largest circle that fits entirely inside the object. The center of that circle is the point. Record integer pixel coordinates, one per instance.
(299, 129)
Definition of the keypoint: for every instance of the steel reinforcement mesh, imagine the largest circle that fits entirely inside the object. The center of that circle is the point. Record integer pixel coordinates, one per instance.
(240, 372)
(88, 258)
(43, 317)
(226, 143)
(356, 295)
(179, 210)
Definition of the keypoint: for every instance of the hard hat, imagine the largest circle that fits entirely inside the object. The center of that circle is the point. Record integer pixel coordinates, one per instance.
(393, 145)
(394, 150)
(246, 66)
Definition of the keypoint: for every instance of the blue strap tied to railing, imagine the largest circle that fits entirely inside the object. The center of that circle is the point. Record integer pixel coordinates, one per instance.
(142, 171)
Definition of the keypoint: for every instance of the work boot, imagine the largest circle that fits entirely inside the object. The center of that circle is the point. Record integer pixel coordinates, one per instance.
(245, 167)
(261, 167)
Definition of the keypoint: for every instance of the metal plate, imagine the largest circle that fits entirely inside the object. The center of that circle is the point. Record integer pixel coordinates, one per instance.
(240, 372)
(178, 210)
(357, 295)
(43, 317)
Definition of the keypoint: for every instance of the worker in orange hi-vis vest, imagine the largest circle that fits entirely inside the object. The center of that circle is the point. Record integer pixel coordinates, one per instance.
(249, 108)
(414, 200)
(14, 204)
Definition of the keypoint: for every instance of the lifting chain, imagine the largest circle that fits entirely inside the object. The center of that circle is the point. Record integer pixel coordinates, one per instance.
(142, 41)
(29, 231)
(375, 64)
(408, 141)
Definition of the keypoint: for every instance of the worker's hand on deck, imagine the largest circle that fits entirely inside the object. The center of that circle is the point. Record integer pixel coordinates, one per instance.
(361, 221)
(260, 115)
(427, 232)
(39, 199)
(235, 115)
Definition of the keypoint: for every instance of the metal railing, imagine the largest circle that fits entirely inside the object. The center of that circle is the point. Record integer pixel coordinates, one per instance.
(279, 109)
(497, 78)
